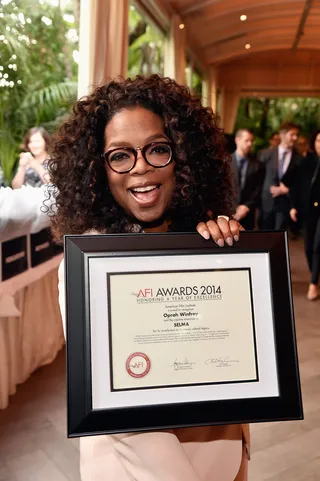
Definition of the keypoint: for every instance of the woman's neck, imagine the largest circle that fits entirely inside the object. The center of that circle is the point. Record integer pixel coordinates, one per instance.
(41, 157)
(153, 228)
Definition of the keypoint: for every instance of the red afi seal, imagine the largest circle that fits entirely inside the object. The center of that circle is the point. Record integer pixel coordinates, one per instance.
(138, 364)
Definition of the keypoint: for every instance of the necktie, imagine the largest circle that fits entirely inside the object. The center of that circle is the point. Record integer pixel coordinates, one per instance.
(240, 172)
(281, 163)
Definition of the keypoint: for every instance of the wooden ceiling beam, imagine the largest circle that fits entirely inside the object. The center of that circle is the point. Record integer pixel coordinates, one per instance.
(271, 58)
(198, 6)
(226, 7)
(304, 17)
(217, 35)
(232, 21)
(226, 54)
(250, 31)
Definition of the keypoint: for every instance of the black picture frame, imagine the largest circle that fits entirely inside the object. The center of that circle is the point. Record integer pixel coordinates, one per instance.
(41, 247)
(83, 420)
(14, 257)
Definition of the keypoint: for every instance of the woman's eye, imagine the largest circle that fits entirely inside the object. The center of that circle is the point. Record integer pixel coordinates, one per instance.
(160, 149)
(118, 156)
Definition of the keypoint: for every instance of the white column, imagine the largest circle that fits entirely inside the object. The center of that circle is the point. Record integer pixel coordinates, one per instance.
(85, 65)
(213, 87)
(229, 108)
(175, 52)
(103, 43)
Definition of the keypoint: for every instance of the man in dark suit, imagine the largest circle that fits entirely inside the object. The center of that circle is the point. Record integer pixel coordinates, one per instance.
(281, 164)
(248, 178)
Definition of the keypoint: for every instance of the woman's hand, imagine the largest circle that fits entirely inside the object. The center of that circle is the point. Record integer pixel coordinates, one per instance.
(221, 230)
(294, 215)
(25, 159)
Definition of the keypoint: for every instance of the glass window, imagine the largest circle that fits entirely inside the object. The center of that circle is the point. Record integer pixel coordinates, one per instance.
(194, 78)
(197, 83)
(146, 45)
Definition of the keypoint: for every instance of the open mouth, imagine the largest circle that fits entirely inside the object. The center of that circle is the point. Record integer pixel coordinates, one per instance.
(146, 194)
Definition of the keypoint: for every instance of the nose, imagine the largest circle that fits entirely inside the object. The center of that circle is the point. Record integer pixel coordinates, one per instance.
(141, 167)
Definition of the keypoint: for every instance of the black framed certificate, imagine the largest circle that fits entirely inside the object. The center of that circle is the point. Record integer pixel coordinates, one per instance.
(169, 330)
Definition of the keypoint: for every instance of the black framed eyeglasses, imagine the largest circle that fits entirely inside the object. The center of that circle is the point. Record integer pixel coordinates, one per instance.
(123, 159)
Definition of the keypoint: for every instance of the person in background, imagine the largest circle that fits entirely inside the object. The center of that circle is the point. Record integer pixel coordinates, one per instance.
(281, 165)
(32, 169)
(305, 200)
(248, 179)
(274, 141)
(21, 211)
(302, 145)
(143, 155)
(302, 148)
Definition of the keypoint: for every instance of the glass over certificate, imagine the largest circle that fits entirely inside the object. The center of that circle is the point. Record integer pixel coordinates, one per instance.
(161, 336)
(185, 328)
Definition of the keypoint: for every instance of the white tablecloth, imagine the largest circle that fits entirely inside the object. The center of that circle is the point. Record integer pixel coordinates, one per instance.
(31, 331)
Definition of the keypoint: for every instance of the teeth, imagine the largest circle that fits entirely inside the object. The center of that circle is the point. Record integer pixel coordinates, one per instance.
(145, 189)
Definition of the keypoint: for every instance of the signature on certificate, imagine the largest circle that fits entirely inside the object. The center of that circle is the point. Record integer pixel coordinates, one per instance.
(220, 361)
(182, 365)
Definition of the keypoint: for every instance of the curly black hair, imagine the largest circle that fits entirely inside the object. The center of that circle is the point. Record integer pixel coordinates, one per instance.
(312, 139)
(202, 166)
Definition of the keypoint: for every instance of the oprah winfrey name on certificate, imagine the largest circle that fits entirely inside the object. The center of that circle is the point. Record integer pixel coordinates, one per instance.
(172, 329)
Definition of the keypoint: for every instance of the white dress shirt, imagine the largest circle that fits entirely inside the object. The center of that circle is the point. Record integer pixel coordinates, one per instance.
(287, 160)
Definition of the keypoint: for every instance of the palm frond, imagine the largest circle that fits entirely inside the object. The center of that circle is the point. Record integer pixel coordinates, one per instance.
(53, 95)
(9, 154)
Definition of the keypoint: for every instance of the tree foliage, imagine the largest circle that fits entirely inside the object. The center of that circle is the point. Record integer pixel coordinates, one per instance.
(146, 46)
(264, 115)
(37, 70)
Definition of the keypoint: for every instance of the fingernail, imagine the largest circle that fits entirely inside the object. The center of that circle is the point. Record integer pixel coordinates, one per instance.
(220, 242)
(236, 238)
(206, 235)
(229, 241)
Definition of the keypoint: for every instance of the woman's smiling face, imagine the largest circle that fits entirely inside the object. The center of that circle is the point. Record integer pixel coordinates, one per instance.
(146, 191)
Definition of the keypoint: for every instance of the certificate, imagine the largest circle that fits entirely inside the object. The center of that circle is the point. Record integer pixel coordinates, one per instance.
(203, 320)
(166, 331)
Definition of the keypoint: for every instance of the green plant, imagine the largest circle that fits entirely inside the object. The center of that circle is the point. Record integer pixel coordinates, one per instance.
(146, 46)
(38, 74)
(264, 116)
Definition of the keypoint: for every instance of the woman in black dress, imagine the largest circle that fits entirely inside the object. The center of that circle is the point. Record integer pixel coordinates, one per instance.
(305, 197)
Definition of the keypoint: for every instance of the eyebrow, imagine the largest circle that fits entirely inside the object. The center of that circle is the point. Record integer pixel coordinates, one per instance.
(116, 144)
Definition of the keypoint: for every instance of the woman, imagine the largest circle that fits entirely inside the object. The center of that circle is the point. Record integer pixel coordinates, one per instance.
(305, 198)
(32, 168)
(144, 156)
